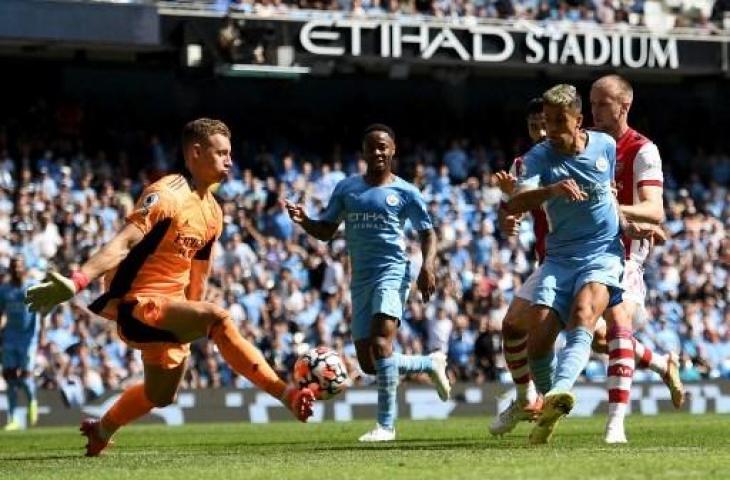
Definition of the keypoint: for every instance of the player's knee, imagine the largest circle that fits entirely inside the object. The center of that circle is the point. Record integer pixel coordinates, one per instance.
(218, 315)
(382, 347)
(584, 314)
(366, 365)
(161, 399)
(511, 327)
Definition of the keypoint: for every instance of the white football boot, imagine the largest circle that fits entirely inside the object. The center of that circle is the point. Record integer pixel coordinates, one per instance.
(378, 434)
(517, 412)
(438, 375)
(615, 433)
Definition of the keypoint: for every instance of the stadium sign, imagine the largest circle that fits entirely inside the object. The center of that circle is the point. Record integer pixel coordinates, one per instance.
(487, 44)
(414, 402)
(320, 44)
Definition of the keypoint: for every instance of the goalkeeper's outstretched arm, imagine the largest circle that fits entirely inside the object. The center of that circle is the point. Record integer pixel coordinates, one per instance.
(110, 255)
(57, 289)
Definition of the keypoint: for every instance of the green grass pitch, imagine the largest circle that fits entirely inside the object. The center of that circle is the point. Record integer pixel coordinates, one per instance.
(670, 446)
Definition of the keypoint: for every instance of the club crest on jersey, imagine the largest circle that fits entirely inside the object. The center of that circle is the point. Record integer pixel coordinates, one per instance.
(602, 164)
(148, 202)
(391, 200)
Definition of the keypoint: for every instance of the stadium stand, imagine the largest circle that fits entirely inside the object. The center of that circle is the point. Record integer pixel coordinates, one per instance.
(60, 198)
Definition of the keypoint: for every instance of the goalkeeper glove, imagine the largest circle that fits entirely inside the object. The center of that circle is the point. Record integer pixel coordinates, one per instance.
(54, 290)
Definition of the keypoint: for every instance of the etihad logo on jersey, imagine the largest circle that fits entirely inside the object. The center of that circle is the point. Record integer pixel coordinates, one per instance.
(367, 217)
(597, 191)
(369, 220)
(188, 246)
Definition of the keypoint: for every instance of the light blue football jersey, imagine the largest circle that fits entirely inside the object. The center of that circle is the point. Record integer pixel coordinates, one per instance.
(374, 219)
(22, 324)
(577, 229)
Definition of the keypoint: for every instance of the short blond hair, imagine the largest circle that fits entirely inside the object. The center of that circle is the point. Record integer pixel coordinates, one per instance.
(563, 95)
(624, 88)
(199, 131)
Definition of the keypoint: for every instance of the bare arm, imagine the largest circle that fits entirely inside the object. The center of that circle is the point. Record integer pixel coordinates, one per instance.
(319, 229)
(110, 255)
(508, 224)
(255, 234)
(650, 207)
(526, 200)
(427, 278)
(636, 230)
(428, 247)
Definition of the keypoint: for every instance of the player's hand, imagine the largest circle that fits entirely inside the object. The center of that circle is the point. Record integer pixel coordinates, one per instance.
(569, 189)
(296, 212)
(300, 401)
(510, 224)
(640, 231)
(316, 390)
(426, 283)
(54, 290)
(506, 182)
(659, 237)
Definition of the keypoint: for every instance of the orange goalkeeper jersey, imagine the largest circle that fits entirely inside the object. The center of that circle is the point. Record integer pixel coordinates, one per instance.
(178, 227)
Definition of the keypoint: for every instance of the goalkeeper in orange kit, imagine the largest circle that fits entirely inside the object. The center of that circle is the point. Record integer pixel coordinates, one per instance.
(156, 269)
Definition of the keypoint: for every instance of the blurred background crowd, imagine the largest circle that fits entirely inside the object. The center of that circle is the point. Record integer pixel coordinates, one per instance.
(60, 199)
(707, 16)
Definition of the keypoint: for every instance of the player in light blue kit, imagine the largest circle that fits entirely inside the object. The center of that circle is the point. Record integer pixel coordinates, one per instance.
(571, 175)
(20, 341)
(375, 207)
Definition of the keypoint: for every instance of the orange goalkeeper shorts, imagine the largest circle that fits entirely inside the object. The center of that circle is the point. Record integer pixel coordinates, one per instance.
(138, 326)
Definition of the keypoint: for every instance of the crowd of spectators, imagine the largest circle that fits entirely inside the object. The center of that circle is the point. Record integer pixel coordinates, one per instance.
(288, 292)
(709, 16)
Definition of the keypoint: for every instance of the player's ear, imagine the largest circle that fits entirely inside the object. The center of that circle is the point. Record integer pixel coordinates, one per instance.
(625, 106)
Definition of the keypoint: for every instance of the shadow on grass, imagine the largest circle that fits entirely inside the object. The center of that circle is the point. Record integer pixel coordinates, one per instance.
(45, 458)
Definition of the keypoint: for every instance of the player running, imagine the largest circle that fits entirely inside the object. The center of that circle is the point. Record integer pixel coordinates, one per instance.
(516, 323)
(20, 342)
(374, 207)
(571, 176)
(665, 365)
(639, 183)
(156, 270)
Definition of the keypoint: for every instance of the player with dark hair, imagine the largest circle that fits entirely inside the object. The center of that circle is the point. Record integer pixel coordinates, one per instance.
(374, 208)
(571, 175)
(516, 324)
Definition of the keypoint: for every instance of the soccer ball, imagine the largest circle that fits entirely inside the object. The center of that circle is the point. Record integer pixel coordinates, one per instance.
(324, 367)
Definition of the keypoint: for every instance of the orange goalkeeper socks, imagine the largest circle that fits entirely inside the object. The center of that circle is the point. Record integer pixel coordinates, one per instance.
(129, 407)
(245, 358)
